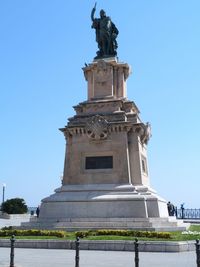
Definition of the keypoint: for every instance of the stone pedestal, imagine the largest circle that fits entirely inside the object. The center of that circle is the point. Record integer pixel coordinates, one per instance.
(106, 79)
(106, 175)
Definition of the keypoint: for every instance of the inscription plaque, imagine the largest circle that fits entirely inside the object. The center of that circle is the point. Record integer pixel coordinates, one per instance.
(103, 162)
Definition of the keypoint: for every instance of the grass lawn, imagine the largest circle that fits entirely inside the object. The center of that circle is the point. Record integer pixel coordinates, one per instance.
(192, 234)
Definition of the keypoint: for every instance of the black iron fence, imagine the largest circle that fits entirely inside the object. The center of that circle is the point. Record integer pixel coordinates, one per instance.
(77, 255)
(183, 213)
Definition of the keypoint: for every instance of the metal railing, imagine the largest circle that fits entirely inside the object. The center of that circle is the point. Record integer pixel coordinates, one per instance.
(183, 213)
(77, 249)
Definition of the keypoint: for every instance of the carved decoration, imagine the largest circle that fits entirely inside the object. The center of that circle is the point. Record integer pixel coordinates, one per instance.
(144, 132)
(97, 128)
(103, 72)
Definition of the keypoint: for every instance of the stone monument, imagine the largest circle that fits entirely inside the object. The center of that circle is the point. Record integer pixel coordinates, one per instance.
(106, 177)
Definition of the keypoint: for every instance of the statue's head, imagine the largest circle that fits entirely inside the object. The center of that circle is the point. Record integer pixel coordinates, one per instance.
(102, 13)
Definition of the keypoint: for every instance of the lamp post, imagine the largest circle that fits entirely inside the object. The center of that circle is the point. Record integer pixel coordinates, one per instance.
(3, 197)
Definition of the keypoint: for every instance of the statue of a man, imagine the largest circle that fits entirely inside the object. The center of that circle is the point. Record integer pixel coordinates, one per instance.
(106, 34)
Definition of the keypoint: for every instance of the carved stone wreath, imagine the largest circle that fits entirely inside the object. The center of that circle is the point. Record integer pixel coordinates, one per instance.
(97, 128)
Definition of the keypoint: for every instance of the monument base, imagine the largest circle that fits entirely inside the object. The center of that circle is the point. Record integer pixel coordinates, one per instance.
(103, 201)
(105, 207)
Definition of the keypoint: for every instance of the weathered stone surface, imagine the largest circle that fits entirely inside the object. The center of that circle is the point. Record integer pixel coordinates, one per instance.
(107, 125)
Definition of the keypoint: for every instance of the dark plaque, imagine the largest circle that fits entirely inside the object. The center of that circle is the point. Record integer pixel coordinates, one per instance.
(105, 162)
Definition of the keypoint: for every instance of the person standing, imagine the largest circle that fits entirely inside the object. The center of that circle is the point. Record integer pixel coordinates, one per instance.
(38, 211)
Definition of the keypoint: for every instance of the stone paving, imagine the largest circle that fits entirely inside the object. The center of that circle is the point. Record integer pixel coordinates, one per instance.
(66, 258)
(12, 222)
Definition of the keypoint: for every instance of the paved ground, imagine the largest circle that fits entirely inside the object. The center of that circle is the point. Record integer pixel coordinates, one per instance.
(12, 222)
(65, 258)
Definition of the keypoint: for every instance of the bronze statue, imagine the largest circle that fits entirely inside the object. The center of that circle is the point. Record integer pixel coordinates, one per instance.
(106, 34)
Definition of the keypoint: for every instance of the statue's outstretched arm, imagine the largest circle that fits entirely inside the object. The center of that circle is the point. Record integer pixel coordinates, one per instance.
(93, 11)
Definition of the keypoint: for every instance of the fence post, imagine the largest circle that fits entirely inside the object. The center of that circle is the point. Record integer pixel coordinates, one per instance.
(12, 246)
(136, 253)
(176, 212)
(198, 252)
(77, 243)
(182, 212)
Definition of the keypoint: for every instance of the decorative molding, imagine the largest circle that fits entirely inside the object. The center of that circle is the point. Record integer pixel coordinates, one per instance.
(106, 105)
(120, 127)
(98, 128)
(66, 132)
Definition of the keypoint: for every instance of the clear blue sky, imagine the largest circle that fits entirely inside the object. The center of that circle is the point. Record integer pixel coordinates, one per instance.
(43, 46)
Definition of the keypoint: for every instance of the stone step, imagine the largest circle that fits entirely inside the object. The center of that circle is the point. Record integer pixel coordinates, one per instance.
(86, 224)
(77, 224)
(105, 219)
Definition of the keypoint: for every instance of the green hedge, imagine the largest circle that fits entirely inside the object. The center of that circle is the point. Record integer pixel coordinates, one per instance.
(32, 232)
(131, 233)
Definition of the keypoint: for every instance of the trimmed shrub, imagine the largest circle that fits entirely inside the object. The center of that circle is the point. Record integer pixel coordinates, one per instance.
(32, 232)
(83, 234)
(131, 233)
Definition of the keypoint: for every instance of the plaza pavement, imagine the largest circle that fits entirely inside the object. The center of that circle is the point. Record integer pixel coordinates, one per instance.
(12, 222)
(66, 258)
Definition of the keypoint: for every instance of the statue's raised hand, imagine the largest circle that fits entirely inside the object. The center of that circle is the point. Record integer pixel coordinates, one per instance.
(93, 11)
